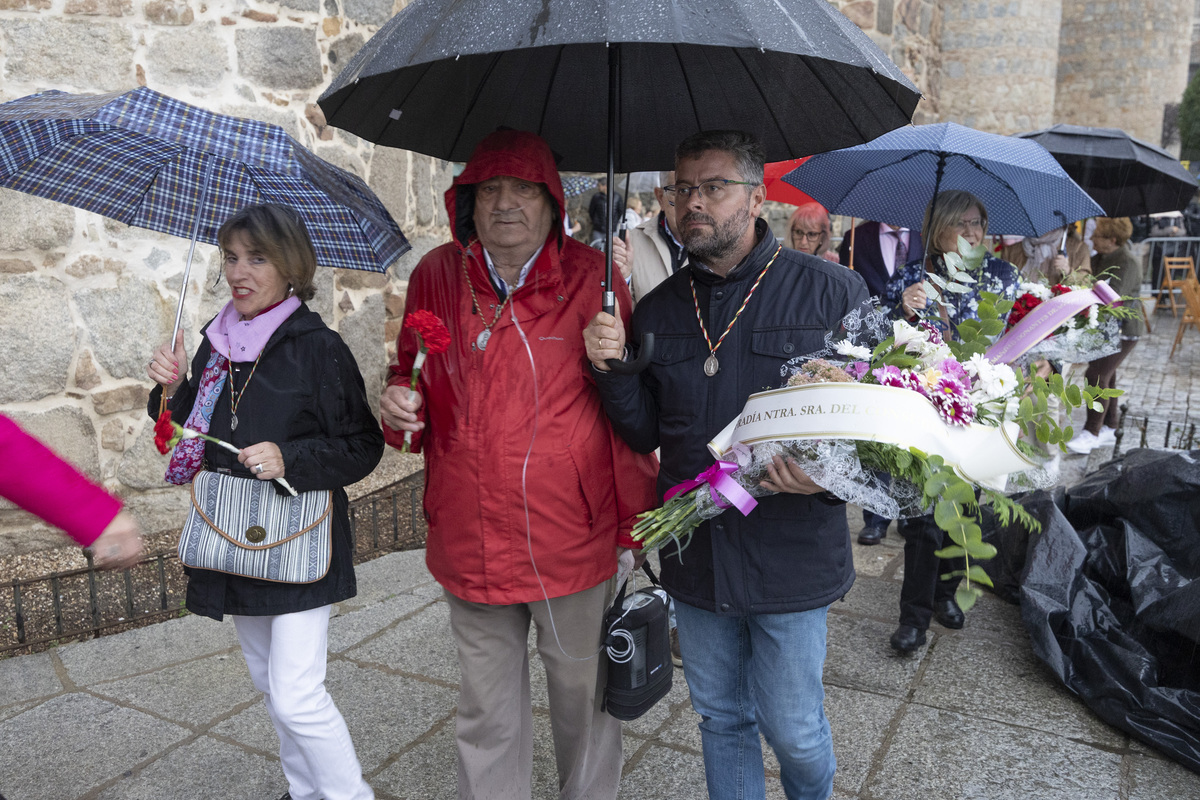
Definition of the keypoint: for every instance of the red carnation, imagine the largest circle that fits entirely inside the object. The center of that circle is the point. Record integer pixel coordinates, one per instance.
(432, 335)
(164, 433)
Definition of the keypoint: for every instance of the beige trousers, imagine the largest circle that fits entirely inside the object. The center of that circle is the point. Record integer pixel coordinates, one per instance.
(494, 728)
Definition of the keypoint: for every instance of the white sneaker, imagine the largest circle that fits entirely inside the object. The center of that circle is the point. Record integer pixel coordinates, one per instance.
(1107, 436)
(1083, 443)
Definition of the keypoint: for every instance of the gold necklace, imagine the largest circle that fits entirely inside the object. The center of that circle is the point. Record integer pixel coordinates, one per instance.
(235, 396)
(481, 340)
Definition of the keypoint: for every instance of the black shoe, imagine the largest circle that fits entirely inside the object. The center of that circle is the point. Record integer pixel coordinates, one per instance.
(872, 534)
(948, 614)
(287, 795)
(907, 639)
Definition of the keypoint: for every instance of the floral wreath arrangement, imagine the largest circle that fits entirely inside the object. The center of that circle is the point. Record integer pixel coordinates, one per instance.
(893, 418)
(1091, 333)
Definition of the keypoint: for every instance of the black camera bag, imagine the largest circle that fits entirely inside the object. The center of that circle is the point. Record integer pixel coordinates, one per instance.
(637, 644)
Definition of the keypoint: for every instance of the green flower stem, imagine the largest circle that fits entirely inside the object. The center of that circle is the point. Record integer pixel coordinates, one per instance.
(187, 433)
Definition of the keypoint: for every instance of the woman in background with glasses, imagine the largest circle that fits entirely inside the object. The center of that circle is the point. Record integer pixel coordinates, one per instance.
(808, 231)
(924, 596)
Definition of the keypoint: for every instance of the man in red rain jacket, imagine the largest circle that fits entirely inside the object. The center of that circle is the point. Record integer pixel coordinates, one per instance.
(529, 495)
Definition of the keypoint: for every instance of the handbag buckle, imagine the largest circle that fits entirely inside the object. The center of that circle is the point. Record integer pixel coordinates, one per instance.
(256, 533)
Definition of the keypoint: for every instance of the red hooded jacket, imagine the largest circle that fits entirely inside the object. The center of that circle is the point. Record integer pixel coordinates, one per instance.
(519, 455)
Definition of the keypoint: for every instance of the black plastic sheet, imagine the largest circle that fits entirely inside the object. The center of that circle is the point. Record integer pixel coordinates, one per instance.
(1110, 596)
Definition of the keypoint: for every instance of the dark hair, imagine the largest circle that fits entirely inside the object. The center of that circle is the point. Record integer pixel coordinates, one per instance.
(278, 232)
(748, 154)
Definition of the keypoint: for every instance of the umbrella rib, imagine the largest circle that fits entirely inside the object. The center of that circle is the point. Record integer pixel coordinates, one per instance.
(690, 95)
(762, 95)
(487, 73)
(546, 102)
(873, 170)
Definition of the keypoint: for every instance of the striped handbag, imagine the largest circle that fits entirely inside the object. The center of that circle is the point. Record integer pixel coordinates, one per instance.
(241, 526)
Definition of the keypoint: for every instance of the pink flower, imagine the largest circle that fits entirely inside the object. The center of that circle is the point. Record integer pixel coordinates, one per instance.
(857, 369)
(954, 369)
(889, 376)
(935, 335)
(913, 380)
(955, 410)
(948, 386)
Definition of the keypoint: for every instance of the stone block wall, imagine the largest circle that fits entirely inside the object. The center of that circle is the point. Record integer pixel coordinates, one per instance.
(85, 299)
(999, 63)
(1121, 61)
(908, 32)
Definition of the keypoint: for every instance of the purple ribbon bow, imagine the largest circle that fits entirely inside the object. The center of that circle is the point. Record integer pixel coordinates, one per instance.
(721, 487)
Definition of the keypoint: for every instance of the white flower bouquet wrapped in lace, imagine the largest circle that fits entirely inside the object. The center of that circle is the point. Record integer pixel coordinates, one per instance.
(1073, 324)
(890, 417)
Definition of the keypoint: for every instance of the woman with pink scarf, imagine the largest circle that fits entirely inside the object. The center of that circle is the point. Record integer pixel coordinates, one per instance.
(270, 378)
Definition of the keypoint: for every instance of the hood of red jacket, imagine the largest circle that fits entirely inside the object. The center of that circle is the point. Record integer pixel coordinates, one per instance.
(519, 154)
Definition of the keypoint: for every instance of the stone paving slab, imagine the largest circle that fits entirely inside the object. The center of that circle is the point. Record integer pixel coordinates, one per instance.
(27, 678)
(421, 646)
(858, 656)
(1018, 686)
(352, 625)
(144, 649)
(75, 742)
(942, 754)
(242, 776)
(195, 693)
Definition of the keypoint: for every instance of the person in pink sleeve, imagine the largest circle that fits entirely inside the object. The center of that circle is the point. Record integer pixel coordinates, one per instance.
(39, 481)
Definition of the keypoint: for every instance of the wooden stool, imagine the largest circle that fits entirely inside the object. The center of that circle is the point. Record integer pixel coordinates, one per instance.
(1191, 310)
(1176, 270)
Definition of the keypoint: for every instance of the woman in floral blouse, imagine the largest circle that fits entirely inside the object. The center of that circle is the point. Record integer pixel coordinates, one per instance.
(953, 214)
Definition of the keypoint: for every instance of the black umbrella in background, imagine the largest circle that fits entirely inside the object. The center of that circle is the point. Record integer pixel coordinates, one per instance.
(1126, 176)
(615, 84)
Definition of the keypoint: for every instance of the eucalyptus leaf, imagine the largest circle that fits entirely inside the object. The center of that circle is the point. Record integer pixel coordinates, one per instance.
(965, 596)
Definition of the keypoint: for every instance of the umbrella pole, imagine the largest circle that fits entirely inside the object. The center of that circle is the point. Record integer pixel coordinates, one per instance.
(610, 297)
(187, 269)
(853, 230)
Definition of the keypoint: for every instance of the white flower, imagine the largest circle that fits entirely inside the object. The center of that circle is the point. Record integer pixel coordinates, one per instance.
(906, 334)
(1093, 316)
(1038, 290)
(855, 351)
(976, 365)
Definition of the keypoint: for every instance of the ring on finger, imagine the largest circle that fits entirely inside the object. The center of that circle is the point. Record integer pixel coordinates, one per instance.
(258, 469)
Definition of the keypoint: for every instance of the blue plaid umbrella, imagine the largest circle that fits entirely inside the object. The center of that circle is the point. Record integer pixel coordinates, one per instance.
(893, 178)
(151, 161)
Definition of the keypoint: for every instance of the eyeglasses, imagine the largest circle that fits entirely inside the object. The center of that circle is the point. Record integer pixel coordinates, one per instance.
(964, 225)
(712, 191)
(814, 235)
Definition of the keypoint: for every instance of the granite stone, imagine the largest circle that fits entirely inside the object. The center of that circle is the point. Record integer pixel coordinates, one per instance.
(37, 335)
(134, 652)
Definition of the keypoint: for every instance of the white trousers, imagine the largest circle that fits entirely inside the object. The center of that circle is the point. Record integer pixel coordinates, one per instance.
(286, 655)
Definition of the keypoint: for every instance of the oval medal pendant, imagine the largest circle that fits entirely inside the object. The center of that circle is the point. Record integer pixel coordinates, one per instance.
(482, 339)
(711, 366)
(233, 417)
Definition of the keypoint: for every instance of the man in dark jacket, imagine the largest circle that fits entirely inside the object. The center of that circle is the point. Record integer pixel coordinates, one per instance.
(751, 592)
(598, 211)
(875, 251)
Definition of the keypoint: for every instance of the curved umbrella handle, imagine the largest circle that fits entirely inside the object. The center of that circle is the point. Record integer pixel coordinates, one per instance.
(644, 354)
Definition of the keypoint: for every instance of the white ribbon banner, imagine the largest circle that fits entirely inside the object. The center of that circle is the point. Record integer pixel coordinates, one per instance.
(979, 453)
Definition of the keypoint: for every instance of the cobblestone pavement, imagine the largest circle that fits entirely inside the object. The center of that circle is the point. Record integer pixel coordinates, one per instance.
(168, 711)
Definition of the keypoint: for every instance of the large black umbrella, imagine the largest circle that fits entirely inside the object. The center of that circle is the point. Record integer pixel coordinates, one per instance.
(615, 84)
(1126, 176)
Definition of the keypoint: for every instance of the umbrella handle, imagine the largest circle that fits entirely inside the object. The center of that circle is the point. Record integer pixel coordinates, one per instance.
(645, 353)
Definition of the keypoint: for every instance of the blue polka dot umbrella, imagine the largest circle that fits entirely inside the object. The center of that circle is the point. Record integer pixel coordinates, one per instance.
(151, 161)
(893, 179)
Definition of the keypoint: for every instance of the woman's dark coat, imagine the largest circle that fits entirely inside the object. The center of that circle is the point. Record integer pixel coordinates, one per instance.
(306, 396)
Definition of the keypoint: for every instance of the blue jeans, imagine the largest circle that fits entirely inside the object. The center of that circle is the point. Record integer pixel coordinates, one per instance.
(752, 673)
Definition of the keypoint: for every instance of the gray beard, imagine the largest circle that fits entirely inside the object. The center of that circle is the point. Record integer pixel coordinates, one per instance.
(721, 242)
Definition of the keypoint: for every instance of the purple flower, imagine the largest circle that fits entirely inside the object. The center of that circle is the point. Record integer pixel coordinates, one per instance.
(935, 335)
(889, 376)
(955, 370)
(955, 410)
(856, 369)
